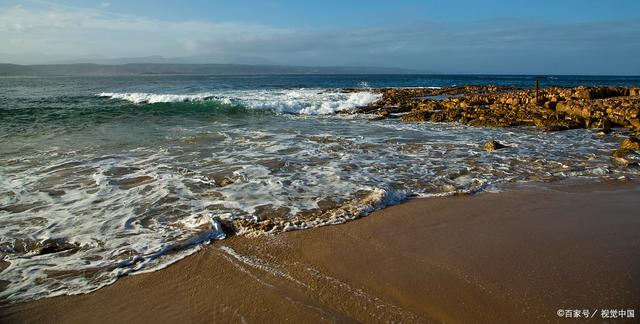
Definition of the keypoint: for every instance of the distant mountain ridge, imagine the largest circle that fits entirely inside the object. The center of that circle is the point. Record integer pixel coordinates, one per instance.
(86, 69)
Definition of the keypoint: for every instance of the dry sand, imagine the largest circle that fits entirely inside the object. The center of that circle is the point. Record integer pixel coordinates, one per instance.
(516, 256)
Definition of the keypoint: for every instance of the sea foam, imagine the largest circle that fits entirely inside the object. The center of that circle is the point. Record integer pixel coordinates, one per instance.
(298, 101)
(152, 98)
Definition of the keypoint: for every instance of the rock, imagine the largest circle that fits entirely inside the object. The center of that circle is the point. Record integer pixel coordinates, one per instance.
(4, 264)
(602, 125)
(555, 108)
(555, 128)
(582, 94)
(56, 245)
(30, 246)
(225, 182)
(25, 245)
(416, 116)
(603, 131)
(493, 145)
(626, 156)
(631, 143)
(384, 113)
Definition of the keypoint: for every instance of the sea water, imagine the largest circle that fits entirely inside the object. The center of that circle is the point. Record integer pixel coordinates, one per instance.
(106, 176)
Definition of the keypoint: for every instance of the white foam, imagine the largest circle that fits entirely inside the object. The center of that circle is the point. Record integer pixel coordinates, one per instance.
(109, 237)
(298, 101)
(151, 98)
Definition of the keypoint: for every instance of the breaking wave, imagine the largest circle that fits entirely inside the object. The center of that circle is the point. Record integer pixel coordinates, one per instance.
(299, 101)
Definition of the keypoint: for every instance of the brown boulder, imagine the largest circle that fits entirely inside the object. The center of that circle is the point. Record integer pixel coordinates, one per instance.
(416, 116)
(384, 113)
(631, 143)
(493, 145)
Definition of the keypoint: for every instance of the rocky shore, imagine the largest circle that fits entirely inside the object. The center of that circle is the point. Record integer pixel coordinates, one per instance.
(551, 109)
(554, 108)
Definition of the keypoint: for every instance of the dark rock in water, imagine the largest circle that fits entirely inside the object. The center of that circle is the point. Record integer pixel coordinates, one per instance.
(228, 228)
(555, 128)
(25, 246)
(631, 143)
(56, 245)
(493, 145)
(225, 182)
(603, 131)
(4, 264)
(222, 180)
(626, 156)
(4, 284)
(560, 125)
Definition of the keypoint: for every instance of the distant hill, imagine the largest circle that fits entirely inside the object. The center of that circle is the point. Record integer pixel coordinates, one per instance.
(183, 69)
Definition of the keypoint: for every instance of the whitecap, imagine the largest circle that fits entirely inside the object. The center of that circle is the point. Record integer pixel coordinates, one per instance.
(298, 101)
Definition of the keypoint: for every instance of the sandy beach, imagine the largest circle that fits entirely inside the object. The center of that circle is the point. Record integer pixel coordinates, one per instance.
(514, 256)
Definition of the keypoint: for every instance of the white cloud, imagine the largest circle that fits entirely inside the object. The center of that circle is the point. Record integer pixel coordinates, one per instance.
(48, 33)
(81, 32)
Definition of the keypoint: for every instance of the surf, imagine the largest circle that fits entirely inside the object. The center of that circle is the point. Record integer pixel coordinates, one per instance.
(295, 101)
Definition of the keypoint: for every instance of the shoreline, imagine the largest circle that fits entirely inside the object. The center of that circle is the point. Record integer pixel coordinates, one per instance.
(516, 255)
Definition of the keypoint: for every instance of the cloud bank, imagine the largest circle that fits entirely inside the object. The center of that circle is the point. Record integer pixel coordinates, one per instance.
(46, 34)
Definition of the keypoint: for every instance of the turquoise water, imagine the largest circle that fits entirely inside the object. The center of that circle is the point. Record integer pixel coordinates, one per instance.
(131, 174)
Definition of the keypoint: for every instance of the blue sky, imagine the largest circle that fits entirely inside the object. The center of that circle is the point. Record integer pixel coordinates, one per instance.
(511, 37)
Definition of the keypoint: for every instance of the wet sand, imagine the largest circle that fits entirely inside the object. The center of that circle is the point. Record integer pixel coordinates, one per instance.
(516, 256)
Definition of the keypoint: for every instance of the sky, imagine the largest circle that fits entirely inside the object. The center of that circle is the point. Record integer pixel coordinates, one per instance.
(493, 37)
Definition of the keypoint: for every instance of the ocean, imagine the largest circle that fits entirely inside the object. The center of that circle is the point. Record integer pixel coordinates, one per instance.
(102, 177)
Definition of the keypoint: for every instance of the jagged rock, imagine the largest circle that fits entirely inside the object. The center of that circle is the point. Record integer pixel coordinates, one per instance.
(416, 116)
(493, 145)
(225, 182)
(599, 92)
(56, 245)
(631, 143)
(384, 113)
(626, 156)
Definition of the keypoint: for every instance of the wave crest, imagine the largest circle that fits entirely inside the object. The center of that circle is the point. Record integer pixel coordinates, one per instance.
(299, 101)
(152, 98)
